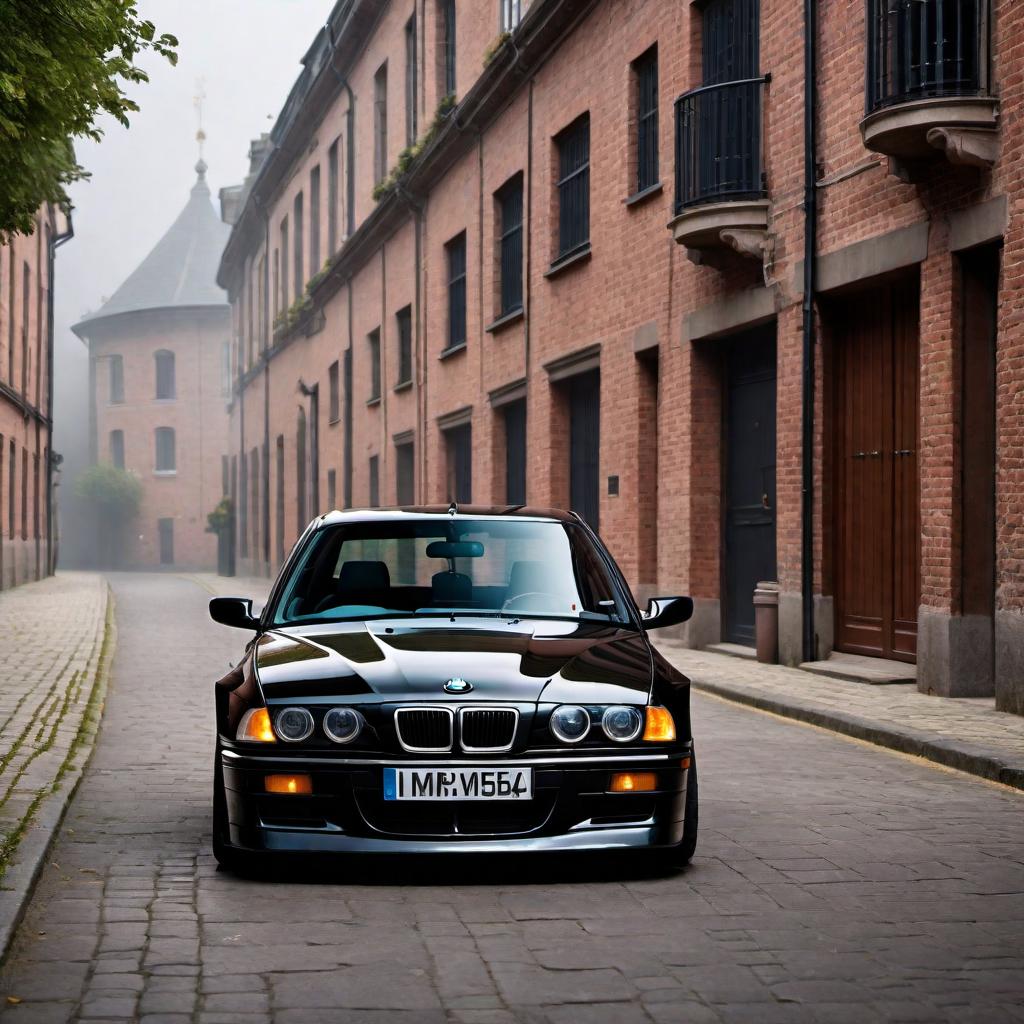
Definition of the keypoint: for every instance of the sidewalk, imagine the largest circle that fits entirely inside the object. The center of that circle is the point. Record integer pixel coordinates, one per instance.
(56, 641)
(968, 734)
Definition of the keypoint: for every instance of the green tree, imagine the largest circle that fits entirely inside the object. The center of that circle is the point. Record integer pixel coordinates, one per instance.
(62, 64)
(115, 496)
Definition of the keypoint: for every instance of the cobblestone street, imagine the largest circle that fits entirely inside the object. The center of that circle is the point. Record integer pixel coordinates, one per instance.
(834, 881)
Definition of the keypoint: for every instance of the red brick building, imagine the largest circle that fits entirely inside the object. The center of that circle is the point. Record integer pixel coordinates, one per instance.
(158, 352)
(556, 252)
(28, 465)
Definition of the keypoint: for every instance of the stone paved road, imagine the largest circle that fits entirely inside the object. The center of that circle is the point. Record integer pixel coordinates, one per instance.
(834, 882)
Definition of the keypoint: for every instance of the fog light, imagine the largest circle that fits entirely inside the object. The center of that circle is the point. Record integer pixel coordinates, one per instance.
(660, 726)
(301, 784)
(633, 782)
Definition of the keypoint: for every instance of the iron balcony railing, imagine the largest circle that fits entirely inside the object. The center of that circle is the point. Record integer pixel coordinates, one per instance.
(918, 49)
(718, 143)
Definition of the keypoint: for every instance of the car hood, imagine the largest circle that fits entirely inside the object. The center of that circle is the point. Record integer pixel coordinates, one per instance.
(394, 660)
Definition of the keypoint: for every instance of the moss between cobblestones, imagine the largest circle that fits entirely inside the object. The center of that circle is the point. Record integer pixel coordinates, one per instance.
(86, 729)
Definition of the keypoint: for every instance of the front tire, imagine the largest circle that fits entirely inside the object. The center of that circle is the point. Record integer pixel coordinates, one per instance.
(676, 857)
(224, 854)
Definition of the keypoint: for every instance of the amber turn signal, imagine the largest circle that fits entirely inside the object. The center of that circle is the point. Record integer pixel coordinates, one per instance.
(255, 727)
(301, 784)
(660, 726)
(633, 782)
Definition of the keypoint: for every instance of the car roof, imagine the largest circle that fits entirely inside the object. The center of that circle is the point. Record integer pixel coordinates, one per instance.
(362, 515)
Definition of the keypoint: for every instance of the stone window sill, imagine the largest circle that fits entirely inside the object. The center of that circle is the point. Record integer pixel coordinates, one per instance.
(505, 320)
(639, 198)
(572, 259)
(453, 351)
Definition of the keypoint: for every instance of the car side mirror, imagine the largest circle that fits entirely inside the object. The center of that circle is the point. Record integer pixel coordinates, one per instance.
(667, 611)
(233, 611)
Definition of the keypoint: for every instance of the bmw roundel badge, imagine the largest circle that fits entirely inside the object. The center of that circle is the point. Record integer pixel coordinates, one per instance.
(457, 686)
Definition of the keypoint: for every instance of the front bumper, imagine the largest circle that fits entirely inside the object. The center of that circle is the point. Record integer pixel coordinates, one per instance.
(571, 809)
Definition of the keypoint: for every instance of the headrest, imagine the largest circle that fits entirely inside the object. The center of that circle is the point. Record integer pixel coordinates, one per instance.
(451, 588)
(527, 578)
(364, 576)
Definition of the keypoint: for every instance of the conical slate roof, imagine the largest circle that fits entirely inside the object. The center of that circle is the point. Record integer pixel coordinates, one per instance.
(182, 268)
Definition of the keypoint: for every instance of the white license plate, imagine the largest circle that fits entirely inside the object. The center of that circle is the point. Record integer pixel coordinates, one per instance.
(458, 783)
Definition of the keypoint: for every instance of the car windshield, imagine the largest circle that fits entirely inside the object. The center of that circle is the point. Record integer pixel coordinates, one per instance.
(406, 566)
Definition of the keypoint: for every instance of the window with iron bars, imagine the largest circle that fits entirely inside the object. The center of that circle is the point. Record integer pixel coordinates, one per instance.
(510, 200)
(573, 187)
(411, 129)
(403, 319)
(373, 340)
(456, 252)
(448, 42)
(645, 72)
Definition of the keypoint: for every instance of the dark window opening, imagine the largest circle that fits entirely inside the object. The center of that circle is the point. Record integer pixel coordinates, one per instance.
(515, 453)
(300, 471)
(314, 220)
(165, 528)
(332, 198)
(334, 396)
(380, 123)
(116, 379)
(374, 481)
(279, 500)
(166, 457)
(117, 449)
(645, 71)
(300, 275)
(459, 449)
(332, 490)
(373, 341)
(456, 255)
(573, 186)
(448, 45)
(165, 382)
(404, 322)
(411, 89)
(510, 200)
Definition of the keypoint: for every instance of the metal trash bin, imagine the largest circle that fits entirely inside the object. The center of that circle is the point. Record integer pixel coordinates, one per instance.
(766, 621)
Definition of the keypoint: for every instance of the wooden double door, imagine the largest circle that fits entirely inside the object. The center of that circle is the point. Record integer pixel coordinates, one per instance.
(876, 499)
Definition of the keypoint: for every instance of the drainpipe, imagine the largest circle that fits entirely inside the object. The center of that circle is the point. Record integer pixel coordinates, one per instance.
(807, 397)
(56, 241)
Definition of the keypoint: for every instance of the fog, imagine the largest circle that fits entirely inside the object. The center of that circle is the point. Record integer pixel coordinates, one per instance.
(246, 54)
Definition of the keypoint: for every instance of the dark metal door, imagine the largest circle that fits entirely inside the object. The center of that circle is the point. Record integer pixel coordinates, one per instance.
(585, 446)
(749, 478)
(877, 516)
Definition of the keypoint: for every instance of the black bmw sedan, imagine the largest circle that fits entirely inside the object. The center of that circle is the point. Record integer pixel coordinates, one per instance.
(460, 680)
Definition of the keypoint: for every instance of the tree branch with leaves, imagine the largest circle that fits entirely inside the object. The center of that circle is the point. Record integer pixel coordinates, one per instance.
(63, 63)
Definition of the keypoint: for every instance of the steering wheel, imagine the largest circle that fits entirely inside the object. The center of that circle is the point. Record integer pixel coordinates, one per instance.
(510, 602)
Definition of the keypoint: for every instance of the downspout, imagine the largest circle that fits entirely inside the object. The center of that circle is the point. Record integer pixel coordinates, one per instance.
(56, 241)
(809, 283)
(419, 345)
(265, 344)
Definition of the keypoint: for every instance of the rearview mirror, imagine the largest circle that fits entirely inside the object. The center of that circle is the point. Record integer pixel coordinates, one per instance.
(667, 611)
(455, 549)
(233, 611)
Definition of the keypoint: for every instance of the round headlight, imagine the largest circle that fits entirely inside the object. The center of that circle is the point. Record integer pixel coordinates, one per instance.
(293, 724)
(570, 723)
(622, 723)
(343, 725)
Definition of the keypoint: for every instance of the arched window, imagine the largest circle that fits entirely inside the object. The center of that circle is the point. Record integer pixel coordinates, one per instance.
(165, 386)
(166, 459)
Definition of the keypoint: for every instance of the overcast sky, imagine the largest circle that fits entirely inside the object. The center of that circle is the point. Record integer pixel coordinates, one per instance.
(248, 53)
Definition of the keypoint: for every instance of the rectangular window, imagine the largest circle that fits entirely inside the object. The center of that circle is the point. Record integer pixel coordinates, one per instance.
(405, 474)
(35, 496)
(314, 220)
(117, 449)
(510, 14)
(459, 448)
(334, 395)
(26, 289)
(448, 45)
(165, 529)
(165, 384)
(510, 200)
(24, 494)
(277, 282)
(573, 187)
(165, 453)
(116, 379)
(373, 340)
(645, 74)
(403, 319)
(515, 452)
(298, 228)
(279, 500)
(455, 251)
(380, 123)
(411, 128)
(332, 490)
(332, 198)
(374, 481)
(284, 264)
(347, 392)
(10, 490)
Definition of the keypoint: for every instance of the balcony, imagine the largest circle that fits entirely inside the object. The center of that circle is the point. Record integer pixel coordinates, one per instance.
(721, 200)
(927, 83)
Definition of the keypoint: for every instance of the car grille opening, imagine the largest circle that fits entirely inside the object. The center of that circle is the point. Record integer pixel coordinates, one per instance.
(424, 728)
(487, 728)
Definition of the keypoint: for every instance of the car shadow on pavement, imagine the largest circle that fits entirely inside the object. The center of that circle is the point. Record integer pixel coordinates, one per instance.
(456, 869)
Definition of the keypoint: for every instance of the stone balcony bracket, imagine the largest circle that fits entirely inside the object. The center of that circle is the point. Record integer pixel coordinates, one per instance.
(962, 128)
(738, 225)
